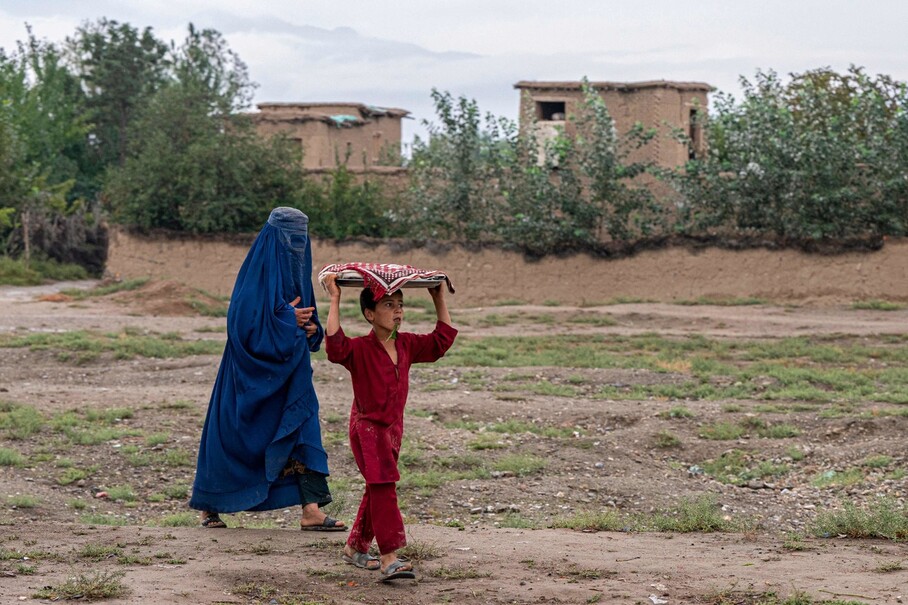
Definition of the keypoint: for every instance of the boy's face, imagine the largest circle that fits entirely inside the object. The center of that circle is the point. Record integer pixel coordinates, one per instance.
(389, 311)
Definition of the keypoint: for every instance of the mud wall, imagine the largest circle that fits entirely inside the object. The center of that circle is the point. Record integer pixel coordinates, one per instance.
(489, 276)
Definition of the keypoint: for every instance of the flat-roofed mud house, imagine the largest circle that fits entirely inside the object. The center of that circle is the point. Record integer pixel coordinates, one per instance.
(658, 104)
(331, 133)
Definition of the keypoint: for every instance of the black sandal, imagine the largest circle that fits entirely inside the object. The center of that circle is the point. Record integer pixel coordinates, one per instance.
(213, 521)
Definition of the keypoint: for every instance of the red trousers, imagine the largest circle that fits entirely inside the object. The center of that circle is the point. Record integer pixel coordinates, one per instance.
(378, 518)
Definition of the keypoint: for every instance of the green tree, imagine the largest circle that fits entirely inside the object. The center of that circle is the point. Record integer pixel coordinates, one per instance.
(341, 207)
(42, 137)
(625, 204)
(820, 158)
(545, 210)
(194, 166)
(456, 174)
(120, 68)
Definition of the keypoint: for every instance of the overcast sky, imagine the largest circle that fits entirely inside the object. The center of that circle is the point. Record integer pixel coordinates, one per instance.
(393, 53)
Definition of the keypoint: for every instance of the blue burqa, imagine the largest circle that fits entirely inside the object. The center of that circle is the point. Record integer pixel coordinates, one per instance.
(263, 407)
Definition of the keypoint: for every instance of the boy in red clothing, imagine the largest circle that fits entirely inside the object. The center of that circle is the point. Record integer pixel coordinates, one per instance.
(379, 365)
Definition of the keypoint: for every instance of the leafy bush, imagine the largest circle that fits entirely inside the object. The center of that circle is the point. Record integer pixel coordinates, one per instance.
(821, 158)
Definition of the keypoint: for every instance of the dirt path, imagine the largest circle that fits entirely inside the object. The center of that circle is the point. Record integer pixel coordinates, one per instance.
(465, 552)
(474, 566)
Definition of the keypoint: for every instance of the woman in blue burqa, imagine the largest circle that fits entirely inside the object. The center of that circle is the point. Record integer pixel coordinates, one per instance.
(261, 446)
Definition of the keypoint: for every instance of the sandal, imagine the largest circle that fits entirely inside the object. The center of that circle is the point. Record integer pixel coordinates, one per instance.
(213, 521)
(394, 572)
(362, 560)
(328, 524)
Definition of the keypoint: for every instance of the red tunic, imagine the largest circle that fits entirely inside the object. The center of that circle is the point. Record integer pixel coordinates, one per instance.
(380, 392)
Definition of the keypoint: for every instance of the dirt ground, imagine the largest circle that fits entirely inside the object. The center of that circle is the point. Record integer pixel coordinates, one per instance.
(465, 545)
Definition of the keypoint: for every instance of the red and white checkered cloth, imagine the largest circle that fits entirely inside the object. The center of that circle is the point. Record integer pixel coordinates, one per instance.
(382, 278)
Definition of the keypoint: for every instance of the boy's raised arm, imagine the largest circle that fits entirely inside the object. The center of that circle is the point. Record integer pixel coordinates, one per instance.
(441, 306)
(334, 292)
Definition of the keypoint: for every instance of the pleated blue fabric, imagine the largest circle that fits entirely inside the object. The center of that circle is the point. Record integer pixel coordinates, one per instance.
(263, 408)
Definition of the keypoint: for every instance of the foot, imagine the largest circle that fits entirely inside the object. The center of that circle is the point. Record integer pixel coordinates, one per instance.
(393, 568)
(211, 520)
(360, 559)
(313, 518)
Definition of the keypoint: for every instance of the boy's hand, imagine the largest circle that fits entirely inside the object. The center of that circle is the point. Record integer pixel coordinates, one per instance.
(334, 291)
(441, 307)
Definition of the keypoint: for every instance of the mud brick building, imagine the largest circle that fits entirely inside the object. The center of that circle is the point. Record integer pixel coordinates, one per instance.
(331, 133)
(658, 104)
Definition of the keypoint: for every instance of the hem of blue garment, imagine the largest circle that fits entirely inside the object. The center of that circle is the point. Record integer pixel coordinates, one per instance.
(280, 494)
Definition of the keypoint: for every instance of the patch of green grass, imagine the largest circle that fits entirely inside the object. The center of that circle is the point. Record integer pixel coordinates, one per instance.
(516, 427)
(90, 435)
(176, 491)
(889, 567)
(10, 457)
(736, 467)
(795, 453)
(552, 390)
(93, 586)
(71, 475)
(736, 597)
(458, 573)
(185, 519)
(778, 431)
(157, 439)
(701, 514)
(255, 590)
(678, 411)
(519, 464)
(103, 290)
(592, 319)
(795, 542)
(208, 309)
(462, 424)
(832, 478)
(877, 305)
(127, 344)
(666, 440)
(884, 518)
(23, 501)
(138, 458)
(487, 441)
(133, 560)
(722, 431)
(174, 457)
(433, 478)
(108, 415)
(877, 461)
(178, 404)
(16, 272)
(517, 521)
(796, 372)
(20, 421)
(121, 493)
(77, 504)
(722, 301)
(420, 550)
(588, 521)
(101, 519)
(96, 552)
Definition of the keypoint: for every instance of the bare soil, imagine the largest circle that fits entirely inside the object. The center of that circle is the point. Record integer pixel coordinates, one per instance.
(463, 552)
